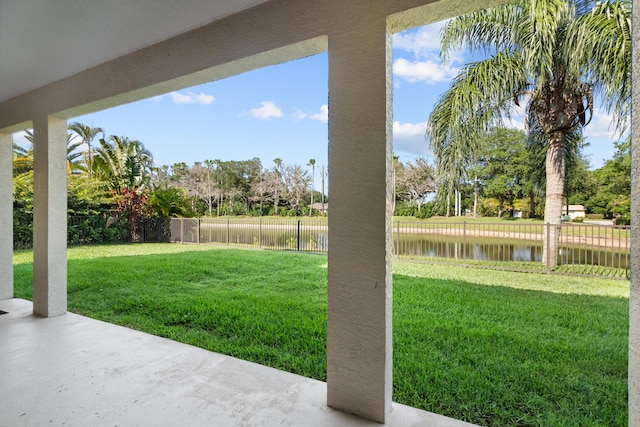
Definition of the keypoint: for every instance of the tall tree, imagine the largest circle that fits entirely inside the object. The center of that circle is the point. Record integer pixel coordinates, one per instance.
(276, 182)
(312, 163)
(86, 134)
(613, 196)
(297, 183)
(552, 53)
(504, 166)
(415, 181)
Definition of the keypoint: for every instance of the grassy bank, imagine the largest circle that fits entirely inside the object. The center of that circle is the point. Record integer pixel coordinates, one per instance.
(492, 348)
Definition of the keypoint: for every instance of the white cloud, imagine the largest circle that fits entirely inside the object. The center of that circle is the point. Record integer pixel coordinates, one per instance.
(429, 71)
(422, 42)
(322, 116)
(602, 126)
(409, 130)
(267, 110)
(410, 138)
(424, 65)
(518, 117)
(187, 98)
(20, 139)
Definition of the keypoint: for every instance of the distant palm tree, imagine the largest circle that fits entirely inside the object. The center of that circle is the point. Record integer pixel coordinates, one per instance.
(19, 151)
(553, 53)
(276, 182)
(170, 202)
(87, 134)
(312, 163)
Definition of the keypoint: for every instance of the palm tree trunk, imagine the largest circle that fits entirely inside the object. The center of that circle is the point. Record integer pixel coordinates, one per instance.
(532, 204)
(313, 183)
(555, 168)
(475, 196)
(448, 205)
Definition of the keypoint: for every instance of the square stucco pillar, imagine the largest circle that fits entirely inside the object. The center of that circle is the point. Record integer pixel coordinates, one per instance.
(6, 216)
(50, 217)
(359, 351)
(634, 297)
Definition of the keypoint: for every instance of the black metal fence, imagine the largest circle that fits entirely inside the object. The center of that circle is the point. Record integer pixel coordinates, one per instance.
(86, 230)
(296, 235)
(583, 249)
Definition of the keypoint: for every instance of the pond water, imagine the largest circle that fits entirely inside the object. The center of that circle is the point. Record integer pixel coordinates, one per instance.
(313, 238)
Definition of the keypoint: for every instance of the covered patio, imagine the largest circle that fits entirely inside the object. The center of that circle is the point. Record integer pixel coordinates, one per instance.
(62, 59)
(71, 370)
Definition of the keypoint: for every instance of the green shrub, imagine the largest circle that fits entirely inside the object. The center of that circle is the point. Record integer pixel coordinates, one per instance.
(624, 219)
(427, 210)
(403, 209)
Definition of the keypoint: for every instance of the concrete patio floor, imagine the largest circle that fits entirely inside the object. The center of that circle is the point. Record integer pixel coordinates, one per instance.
(75, 371)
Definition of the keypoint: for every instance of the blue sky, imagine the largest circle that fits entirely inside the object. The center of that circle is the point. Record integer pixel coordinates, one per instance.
(281, 111)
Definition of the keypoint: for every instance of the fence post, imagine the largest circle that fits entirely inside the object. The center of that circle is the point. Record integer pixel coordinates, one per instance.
(298, 235)
(228, 230)
(198, 230)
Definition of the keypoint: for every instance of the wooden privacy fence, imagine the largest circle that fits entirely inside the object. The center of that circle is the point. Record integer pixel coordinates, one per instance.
(583, 249)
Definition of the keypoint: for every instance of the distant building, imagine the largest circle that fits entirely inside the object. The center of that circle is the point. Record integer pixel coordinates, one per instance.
(319, 208)
(575, 211)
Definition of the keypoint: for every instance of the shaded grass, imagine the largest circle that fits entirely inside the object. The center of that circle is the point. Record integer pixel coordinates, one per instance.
(246, 304)
(492, 348)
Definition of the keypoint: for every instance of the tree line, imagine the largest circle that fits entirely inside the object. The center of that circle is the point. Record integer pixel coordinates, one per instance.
(114, 178)
(508, 175)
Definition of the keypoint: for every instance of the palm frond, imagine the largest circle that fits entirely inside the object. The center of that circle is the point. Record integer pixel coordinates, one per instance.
(599, 45)
(539, 36)
(487, 30)
(479, 97)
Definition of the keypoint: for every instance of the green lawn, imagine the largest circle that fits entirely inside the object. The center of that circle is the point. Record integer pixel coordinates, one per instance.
(492, 348)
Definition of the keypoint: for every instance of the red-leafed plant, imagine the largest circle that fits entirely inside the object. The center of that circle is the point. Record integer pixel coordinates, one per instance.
(131, 206)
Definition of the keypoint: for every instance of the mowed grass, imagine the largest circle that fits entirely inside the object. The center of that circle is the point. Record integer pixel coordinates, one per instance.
(491, 348)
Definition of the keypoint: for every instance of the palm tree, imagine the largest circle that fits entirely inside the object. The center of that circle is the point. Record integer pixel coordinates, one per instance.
(123, 163)
(170, 202)
(87, 134)
(552, 53)
(276, 182)
(312, 163)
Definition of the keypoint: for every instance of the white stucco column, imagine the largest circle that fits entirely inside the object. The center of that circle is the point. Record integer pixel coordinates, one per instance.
(50, 217)
(634, 299)
(6, 216)
(359, 353)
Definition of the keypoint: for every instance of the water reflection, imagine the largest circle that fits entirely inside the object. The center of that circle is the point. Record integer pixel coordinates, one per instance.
(314, 238)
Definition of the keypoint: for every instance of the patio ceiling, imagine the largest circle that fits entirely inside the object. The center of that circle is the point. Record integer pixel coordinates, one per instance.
(70, 36)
